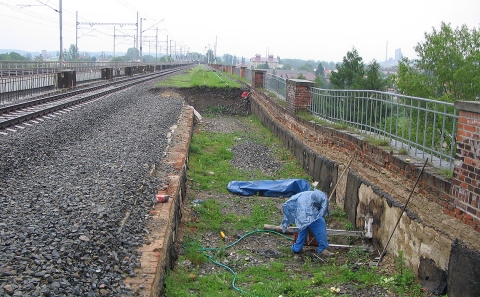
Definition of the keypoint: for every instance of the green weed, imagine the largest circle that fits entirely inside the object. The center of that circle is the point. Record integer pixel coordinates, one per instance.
(200, 77)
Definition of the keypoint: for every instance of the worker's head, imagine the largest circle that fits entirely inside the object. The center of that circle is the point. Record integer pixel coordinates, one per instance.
(318, 196)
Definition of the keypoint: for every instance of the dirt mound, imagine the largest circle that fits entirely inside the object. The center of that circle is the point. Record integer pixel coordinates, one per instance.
(215, 101)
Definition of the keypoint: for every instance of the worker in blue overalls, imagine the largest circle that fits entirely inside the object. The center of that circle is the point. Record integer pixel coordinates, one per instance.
(306, 210)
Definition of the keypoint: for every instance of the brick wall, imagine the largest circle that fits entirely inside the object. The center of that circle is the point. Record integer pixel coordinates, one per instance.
(457, 201)
(466, 175)
(242, 72)
(257, 78)
(298, 95)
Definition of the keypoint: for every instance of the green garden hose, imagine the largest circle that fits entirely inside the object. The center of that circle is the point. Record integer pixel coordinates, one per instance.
(233, 244)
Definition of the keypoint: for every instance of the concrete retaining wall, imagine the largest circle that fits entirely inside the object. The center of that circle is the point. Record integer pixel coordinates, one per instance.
(427, 237)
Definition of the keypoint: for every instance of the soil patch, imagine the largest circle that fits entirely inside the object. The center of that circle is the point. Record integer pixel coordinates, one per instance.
(213, 101)
(259, 248)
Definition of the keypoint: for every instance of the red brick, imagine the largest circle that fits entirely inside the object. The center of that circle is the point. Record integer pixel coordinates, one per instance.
(458, 211)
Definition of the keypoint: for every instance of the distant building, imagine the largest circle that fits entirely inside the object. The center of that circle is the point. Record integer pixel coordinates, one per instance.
(270, 61)
(398, 54)
(45, 54)
(293, 74)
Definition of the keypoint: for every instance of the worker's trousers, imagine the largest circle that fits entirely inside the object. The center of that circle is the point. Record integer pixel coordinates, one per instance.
(319, 229)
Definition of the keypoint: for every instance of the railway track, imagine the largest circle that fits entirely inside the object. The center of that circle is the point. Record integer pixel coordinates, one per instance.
(15, 114)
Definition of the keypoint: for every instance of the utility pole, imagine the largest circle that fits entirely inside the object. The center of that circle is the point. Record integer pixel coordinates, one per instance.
(137, 35)
(114, 41)
(141, 39)
(215, 58)
(76, 35)
(61, 37)
(156, 46)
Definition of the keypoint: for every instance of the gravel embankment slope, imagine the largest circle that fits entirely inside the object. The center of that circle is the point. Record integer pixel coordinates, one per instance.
(75, 192)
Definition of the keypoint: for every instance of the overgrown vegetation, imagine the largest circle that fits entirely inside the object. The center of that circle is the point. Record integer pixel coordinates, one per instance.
(305, 115)
(447, 68)
(212, 271)
(200, 77)
(210, 155)
(227, 268)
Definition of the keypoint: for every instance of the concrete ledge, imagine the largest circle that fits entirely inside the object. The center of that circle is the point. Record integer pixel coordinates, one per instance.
(158, 253)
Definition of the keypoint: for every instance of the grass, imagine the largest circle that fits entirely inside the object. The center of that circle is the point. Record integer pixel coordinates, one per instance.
(377, 141)
(210, 155)
(213, 273)
(200, 77)
(448, 173)
(307, 116)
(403, 151)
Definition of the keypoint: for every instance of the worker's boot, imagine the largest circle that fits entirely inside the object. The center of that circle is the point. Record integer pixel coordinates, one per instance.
(326, 253)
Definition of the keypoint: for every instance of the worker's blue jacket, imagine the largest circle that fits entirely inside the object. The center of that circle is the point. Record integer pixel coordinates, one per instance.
(304, 208)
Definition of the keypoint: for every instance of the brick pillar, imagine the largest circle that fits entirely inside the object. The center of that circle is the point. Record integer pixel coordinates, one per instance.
(233, 70)
(242, 72)
(466, 174)
(298, 95)
(257, 78)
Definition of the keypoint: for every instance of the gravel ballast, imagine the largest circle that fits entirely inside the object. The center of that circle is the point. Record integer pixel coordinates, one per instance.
(75, 193)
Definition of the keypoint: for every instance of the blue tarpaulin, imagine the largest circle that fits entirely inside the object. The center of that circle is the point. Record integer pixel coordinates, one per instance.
(281, 188)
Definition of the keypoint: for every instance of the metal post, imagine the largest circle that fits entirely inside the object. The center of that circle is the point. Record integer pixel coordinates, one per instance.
(76, 35)
(141, 40)
(156, 46)
(114, 41)
(137, 38)
(61, 38)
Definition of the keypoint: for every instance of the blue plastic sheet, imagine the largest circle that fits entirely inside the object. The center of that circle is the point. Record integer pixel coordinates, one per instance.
(280, 188)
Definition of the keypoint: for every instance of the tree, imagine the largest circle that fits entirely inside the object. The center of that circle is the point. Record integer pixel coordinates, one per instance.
(228, 59)
(71, 54)
(209, 57)
(350, 73)
(410, 81)
(118, 59)
(132, 54)
(373, 80)
(320, 71)
(448, 67)
(322, 83)
(263, 66)
(12, 56)
(307, 67)
(287, 66)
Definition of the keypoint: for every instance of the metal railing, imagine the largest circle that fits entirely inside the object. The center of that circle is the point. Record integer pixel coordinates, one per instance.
(14, 88)
(23, 68)
(248, 74)
(421, 127)
(276, 84)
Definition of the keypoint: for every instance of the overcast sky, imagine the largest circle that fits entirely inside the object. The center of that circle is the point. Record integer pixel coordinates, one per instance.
(309, 30)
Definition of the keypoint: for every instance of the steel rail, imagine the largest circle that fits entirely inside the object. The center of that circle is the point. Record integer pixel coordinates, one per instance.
(73, 98)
